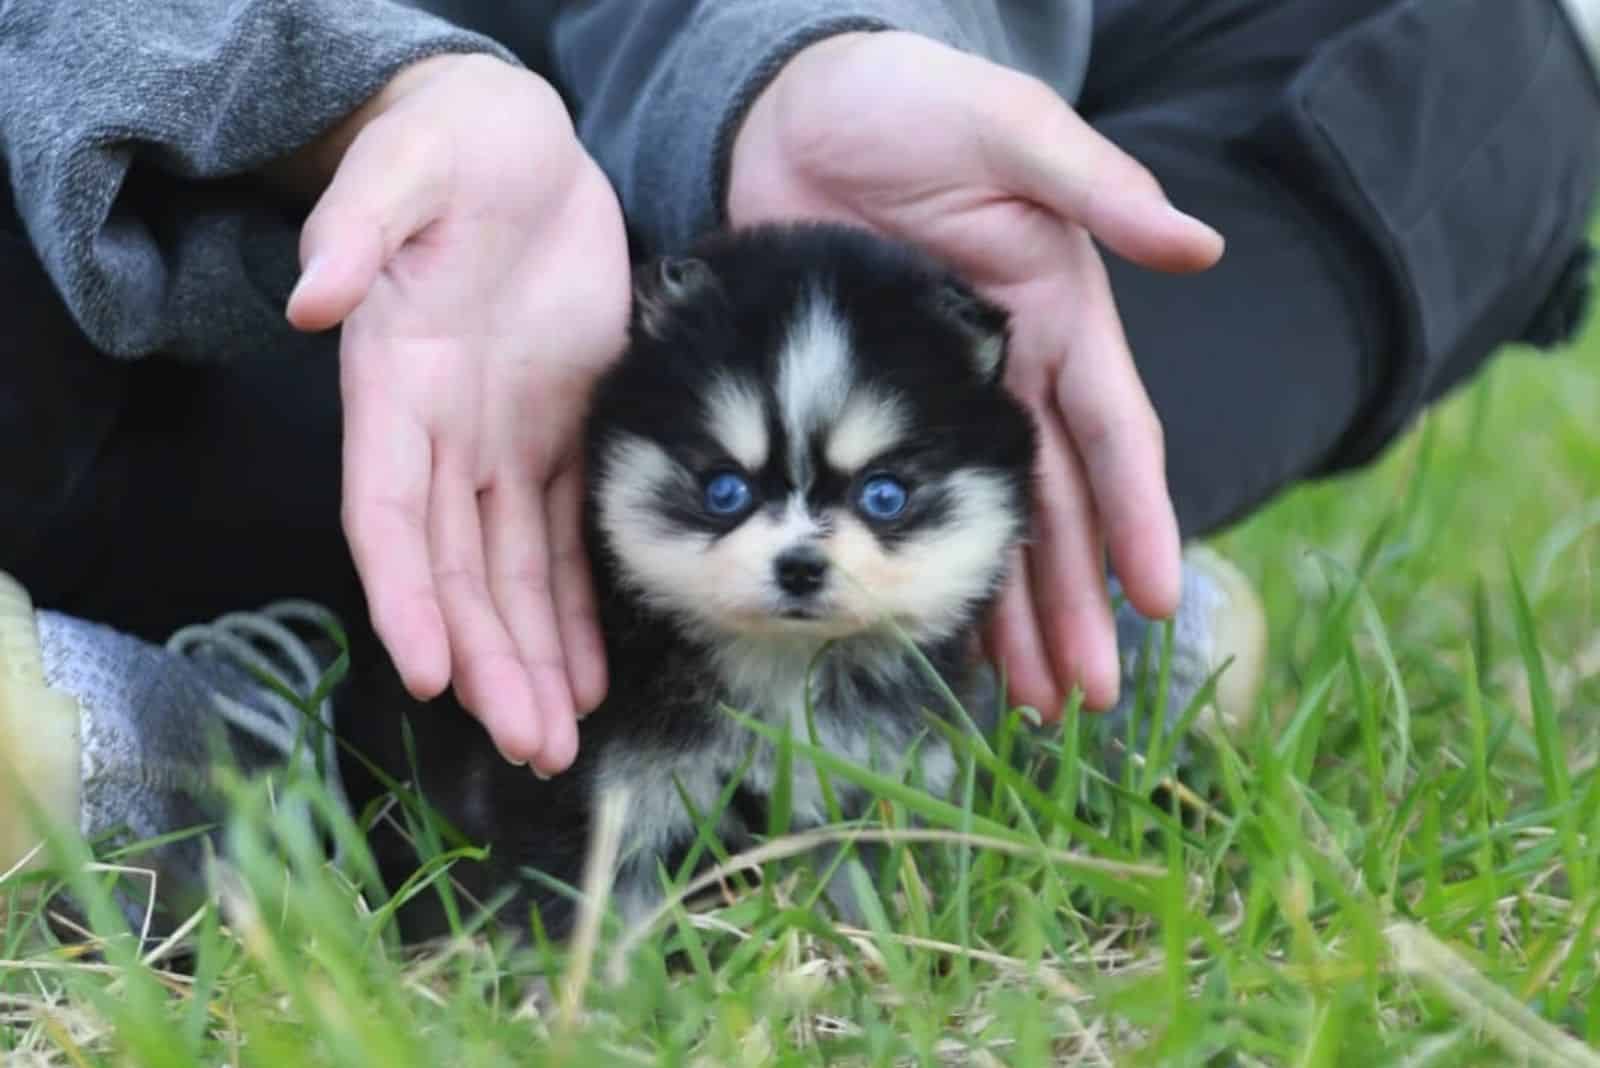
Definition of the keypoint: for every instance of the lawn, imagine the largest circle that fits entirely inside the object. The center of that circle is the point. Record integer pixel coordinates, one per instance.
(1395, 865)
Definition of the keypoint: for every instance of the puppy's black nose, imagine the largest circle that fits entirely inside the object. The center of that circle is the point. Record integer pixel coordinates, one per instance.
(801, 571)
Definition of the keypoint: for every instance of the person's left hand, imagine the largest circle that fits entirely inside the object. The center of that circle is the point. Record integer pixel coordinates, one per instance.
(992, 171)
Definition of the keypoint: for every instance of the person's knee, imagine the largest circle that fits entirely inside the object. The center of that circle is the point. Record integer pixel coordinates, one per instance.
(1457, 140)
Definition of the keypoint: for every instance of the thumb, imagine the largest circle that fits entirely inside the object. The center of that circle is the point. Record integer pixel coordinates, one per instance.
(1076, 173)
(389, 187)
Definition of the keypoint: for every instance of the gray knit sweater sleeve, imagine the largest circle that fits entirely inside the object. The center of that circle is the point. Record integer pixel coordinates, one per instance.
(661, 87)
(129, 130)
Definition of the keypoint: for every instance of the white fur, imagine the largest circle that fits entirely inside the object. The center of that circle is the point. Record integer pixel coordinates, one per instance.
(765, 678)
(815, 373)
(768, 679)
(660, 564)
(772, 679)
(870, 425)
(798, 524)
(656, 814)
(987, 354)
(632, 471)
(736, 418)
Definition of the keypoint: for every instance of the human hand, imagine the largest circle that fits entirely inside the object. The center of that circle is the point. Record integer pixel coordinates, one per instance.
(476, 258)
(992, 171)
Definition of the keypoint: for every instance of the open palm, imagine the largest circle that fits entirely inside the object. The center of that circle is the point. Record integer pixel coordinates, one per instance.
(446, 246)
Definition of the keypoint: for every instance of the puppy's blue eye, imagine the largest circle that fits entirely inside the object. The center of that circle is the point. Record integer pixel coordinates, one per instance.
(883, 497)
(727, 494)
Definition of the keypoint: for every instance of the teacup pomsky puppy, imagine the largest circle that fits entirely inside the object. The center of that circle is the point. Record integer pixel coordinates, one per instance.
(804, 464)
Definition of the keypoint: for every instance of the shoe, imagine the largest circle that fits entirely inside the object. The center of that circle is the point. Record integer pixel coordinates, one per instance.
(39, 736)
(1220, 629)
(121, 740)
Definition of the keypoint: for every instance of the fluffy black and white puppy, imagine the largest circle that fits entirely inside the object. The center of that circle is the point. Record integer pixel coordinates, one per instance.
(804, 464)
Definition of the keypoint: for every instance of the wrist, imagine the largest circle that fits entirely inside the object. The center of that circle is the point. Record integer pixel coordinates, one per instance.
(309, 169)
(759, 134)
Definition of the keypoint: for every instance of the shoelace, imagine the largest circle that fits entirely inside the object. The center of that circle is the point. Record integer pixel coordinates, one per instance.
(263, 645)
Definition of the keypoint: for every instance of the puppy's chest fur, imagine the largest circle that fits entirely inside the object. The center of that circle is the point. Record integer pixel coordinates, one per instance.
(866, 702)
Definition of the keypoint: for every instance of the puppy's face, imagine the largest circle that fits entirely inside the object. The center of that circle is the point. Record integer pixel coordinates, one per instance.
(808, 437)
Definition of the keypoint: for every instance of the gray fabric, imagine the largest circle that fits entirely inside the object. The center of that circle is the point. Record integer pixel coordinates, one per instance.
(121, 121)
(660, 88)
(129, 128)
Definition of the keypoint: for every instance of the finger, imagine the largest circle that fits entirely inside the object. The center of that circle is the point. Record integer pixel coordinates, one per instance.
(489, 675)
(571, 578)
(1073, 171)
(389, 187)
(1017, 642)
(1067, 569)
(388, 464)
(515, 540)
(1117, 437)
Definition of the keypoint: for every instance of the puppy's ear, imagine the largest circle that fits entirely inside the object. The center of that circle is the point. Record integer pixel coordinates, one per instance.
(663, 287)
(986, 326)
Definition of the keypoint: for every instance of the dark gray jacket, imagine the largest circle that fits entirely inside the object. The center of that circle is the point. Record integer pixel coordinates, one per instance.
(130, 128)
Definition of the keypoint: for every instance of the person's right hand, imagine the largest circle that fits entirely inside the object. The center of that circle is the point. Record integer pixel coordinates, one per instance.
(476, 257)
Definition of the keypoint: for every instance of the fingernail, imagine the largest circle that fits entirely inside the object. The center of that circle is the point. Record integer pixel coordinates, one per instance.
(512, 762)
(306, 277)
(537, 774)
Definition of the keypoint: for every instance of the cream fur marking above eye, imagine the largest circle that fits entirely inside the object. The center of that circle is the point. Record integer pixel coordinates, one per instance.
(737, 418)
(870, 425)
(815, 374)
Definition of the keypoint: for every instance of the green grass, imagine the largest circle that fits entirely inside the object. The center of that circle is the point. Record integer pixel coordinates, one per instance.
(1396, 865)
